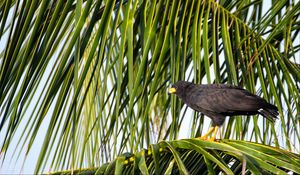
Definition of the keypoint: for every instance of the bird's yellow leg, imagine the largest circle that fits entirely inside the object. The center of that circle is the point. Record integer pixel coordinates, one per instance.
(213, 138)
(210, 130)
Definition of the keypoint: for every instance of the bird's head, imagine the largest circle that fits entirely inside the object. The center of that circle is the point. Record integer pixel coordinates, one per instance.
(179, 88)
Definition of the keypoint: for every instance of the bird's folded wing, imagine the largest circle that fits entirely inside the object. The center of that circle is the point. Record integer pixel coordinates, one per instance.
(226, 100)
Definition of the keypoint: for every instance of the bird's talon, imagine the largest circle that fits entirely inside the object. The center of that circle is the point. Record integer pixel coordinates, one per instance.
(212, 139)
(203, 138)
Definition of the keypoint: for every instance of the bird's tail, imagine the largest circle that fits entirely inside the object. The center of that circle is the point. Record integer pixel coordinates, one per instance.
(269, 111)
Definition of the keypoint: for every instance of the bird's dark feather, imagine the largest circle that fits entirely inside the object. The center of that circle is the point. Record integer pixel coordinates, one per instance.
(218, 101)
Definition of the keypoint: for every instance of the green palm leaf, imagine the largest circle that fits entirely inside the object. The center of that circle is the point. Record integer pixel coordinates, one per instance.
(197, 157)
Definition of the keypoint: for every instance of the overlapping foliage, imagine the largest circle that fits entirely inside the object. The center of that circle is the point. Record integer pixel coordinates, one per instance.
(194, 156)
(93, 75)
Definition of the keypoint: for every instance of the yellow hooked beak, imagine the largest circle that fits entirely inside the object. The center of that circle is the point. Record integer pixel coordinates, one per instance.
(172, 90)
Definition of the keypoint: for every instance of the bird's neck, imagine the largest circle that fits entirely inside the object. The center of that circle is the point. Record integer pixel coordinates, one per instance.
(182, 96)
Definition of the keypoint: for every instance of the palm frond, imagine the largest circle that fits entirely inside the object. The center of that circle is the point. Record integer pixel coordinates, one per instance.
(193, 156)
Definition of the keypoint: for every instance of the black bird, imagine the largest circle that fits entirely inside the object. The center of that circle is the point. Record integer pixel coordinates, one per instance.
(219, 100)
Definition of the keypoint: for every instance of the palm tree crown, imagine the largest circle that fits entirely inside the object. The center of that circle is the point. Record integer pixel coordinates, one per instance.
(88, 80)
